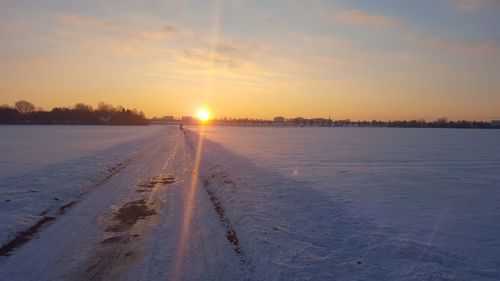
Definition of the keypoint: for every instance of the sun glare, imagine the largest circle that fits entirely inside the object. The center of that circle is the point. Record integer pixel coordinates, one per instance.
(203, 114)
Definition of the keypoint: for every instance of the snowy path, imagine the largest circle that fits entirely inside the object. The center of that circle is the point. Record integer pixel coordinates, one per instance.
(129, 230)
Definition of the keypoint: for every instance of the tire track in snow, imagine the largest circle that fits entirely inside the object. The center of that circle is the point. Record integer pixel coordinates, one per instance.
(26, 235)
(231, 235)
(120, 249)
(230, 232)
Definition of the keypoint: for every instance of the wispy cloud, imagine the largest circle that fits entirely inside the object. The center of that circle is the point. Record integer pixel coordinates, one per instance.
(115, 37)
(84, 21)
(165, 48)
(88, 22)
(154, 34)
(229, 55)
(366, 18)
(465, 48)
(472, 5)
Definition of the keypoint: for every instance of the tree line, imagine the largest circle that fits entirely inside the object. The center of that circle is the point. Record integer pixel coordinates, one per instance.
(440, 123)
(323, 122)
(24, 112)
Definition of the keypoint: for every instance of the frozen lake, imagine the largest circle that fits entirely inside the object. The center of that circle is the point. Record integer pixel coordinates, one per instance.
(438, 187)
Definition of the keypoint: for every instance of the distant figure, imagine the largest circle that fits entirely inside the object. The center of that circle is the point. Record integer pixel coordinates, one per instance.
(180, 127)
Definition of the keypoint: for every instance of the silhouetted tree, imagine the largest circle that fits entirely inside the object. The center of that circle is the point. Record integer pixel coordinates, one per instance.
(24, 107)
(83, 107)
(9, 115)
(105, 108)
(24, 113)
(442, 120)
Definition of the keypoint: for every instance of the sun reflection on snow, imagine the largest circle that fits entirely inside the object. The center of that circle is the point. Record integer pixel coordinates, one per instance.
(188, 210)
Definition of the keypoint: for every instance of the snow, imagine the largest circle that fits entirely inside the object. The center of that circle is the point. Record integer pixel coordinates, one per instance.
(405, 199)
(27, 148)
(43, 168)
(265, 204)
(84, 243)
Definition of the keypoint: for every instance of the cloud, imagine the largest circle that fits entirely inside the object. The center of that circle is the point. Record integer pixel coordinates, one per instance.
(465, 48)
(87, 22)
(228, 55)
(481, 48)
(471, 5)
(269, 23)
(365, 18)
(150, 35)
(114, 37)
(206, 58)
(84, 21)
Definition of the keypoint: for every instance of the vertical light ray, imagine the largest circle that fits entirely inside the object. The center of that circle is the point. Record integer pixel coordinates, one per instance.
(188, 210)
(191, 193)
(214, 41)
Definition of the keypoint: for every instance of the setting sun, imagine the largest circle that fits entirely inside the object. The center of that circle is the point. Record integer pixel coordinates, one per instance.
(203, 114)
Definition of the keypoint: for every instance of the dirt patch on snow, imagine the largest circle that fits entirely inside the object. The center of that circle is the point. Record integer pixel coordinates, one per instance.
(67, 206)
(24, 236)
(231, 235)
(130, 213)
(160, 180)
(111, 240)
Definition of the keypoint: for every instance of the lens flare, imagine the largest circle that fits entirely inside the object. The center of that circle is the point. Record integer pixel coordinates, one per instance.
(189, 205)
(203, 114)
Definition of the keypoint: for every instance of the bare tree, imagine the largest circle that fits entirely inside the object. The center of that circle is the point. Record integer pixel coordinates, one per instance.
(104, 107)
(442, 120)
(25, 107)
(83, 107)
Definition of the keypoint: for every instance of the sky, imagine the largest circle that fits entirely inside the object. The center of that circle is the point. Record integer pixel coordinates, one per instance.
(357, 59)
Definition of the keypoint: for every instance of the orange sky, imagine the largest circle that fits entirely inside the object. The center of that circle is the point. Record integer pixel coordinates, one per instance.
(252, 59)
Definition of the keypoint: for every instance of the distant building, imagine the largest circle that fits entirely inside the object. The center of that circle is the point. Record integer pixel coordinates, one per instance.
(187, 119)
(104, 119)
(495, 122)
(297, 120)
(322, 122)
(168, 118)
(279, 119)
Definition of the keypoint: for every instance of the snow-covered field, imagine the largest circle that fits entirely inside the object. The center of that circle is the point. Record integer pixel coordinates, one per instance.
(43, 168)
(436, 190)
(27, 148)
(255, 204)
